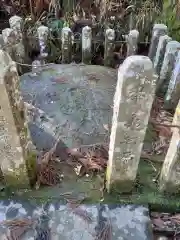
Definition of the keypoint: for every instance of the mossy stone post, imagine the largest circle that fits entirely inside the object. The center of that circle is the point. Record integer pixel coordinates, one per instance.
(132, 41)
(16, 23)
(86, 45)
(161, 49)
(14, 142)
(158, 30)
(43, 33)
(109, 46)
(173, 93)
(133, 99)
(168, 64)
(170, 174)
(66, 37)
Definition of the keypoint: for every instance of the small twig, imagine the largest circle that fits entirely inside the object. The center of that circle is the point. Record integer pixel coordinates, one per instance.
(145, 156)
(151, 164)
(31, 9)
(48, 156)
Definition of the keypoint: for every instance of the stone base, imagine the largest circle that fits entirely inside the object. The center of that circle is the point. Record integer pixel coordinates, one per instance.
(169, 187)
(60, 222)
(119, 186)
(18, 178)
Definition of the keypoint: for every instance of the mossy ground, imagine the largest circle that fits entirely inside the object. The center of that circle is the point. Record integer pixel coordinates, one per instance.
(145, 190)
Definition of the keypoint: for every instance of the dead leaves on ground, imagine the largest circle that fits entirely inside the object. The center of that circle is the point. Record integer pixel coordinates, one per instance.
(17, 228)
(166, 223)
(48, 175)
(91, 159)
(161, 121)
(84, 161)
(48, 172)
(105, 233)
(83, 214)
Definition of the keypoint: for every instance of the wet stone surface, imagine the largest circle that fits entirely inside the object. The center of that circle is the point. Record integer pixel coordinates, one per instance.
(72, 101)
(58, 221)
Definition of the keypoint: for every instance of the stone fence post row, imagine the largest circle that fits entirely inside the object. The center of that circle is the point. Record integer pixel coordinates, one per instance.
(166, 61)
(12, 40)
(164, 55)
(138, 79)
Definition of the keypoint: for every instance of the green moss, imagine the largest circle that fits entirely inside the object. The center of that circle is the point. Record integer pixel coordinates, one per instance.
(17, 178)
(121, 187)
(31, 164)
(145, 190)
(25, 132)
(22, 177)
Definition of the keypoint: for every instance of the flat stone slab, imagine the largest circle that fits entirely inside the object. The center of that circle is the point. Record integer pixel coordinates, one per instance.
(70, 100)
(59, 221)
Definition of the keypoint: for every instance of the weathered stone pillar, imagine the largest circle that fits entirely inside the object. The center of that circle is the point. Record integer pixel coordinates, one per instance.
(168, 64)
(15, 23)
(9, 40)
(161, 49)
(170, 174)
(86, 44)
(1, 41)
(132, 105)
(36, 68)
(158, 30)
(132, 41)
(109, 46)
(14, 138)
(173, 93)
(66, 45)
(43, 33)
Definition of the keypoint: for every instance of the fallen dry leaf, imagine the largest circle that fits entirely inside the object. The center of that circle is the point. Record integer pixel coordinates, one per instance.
(158, 222)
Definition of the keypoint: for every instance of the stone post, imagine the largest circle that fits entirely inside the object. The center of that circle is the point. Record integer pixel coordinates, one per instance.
(66, 45)
(43, 33)
(1, 42)
(158, 30)
(15, 142)
(133, 99)
(173, 93)
(36, 68)
(15, 23)
(109, 46)
(163, 41)
(132, 41)
(168, 65)
(170, 174)
(86, 44)
(9, 40)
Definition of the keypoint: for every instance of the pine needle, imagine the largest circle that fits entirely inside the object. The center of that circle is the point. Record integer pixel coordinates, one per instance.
(17, 228)
(105, 233)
